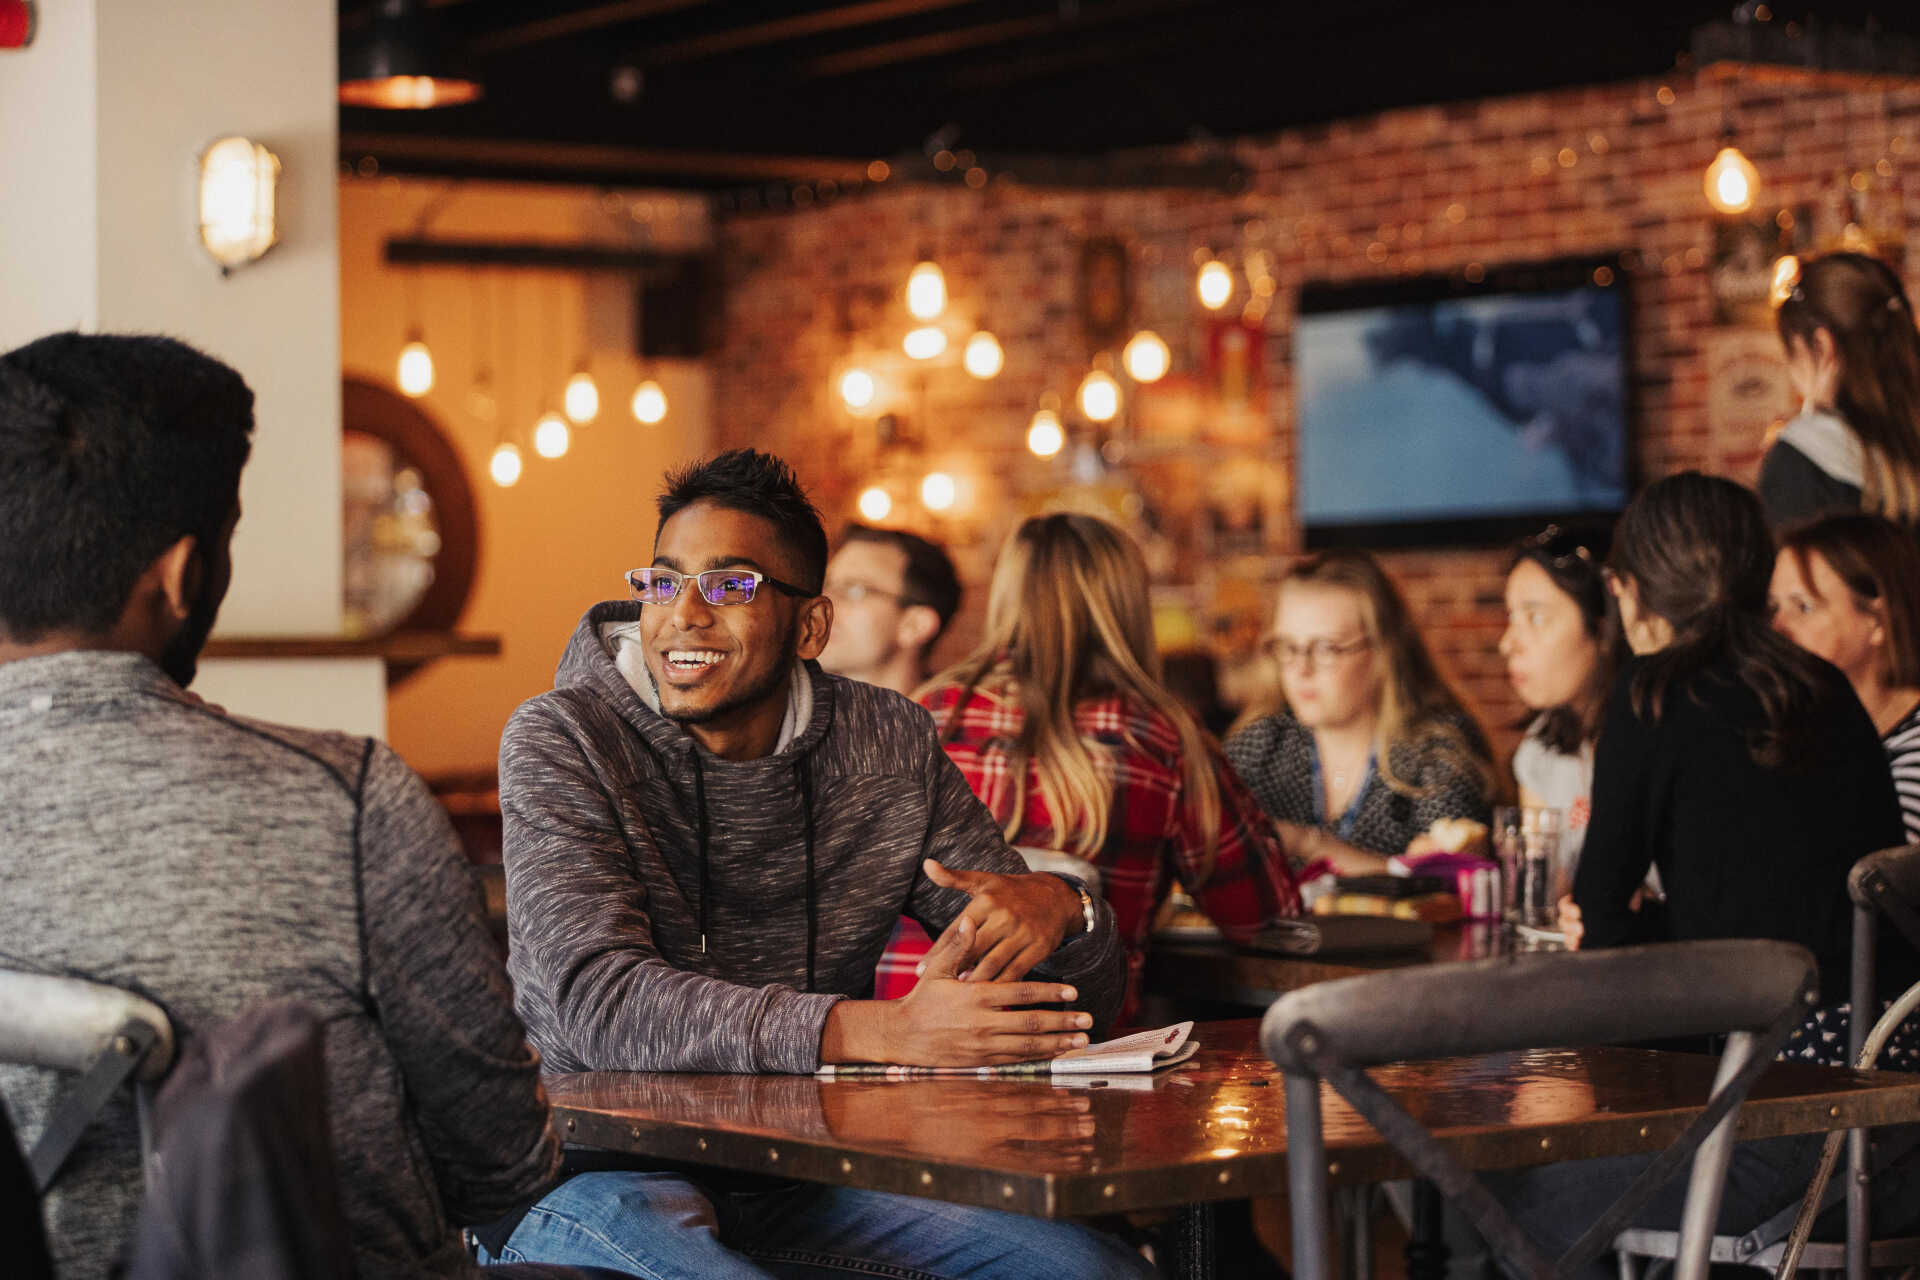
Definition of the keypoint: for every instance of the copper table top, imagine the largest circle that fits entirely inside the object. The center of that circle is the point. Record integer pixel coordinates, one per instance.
(1212, 1129)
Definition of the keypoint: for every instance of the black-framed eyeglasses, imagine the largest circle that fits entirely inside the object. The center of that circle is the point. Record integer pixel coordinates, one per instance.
(716, 586)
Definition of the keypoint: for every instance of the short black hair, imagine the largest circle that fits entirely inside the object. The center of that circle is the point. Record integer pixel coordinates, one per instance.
(114, 447)
(761, 485)
(930, 578)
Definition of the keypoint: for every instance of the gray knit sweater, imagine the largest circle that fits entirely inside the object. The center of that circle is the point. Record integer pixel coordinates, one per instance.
(601, 797)
(210, 862)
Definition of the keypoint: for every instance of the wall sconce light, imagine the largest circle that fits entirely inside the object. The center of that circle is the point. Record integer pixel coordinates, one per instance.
(237, 179)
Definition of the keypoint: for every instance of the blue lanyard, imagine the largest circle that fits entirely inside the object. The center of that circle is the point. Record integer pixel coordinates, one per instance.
(1343, 826)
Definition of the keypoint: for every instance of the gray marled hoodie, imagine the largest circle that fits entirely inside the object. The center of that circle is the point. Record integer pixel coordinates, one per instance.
(602, 799)
(210, 862)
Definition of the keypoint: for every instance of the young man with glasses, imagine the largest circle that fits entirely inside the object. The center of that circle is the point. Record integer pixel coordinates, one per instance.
(893, 595)
(708, 839)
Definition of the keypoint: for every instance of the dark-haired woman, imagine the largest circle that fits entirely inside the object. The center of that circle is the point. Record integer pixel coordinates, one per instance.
(1744, 768)
(1560, 658)
(1853, 356)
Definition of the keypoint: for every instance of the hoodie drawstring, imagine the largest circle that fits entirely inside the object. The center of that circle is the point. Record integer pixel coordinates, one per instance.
(803, 769)
(700, 827)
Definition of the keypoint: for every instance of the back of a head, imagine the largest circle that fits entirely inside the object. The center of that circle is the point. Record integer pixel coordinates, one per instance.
(1861, 302)
(759, 484)
(113, 449)
(1068, 605)
(1880, 564)
(929, 579)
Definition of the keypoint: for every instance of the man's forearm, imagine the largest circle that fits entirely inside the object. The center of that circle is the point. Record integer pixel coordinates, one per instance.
(856, 1031)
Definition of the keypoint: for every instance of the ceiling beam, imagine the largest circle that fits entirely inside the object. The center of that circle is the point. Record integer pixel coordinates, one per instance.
(576, 23)
(604, 161)
(942, 44)
(819, 22)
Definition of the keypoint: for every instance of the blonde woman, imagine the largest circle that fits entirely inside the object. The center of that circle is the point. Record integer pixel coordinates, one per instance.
(1061, 723)
(1371, 748)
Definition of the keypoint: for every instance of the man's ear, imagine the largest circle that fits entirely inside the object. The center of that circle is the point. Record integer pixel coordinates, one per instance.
(816, 624)
(918, 625)
(179, 569)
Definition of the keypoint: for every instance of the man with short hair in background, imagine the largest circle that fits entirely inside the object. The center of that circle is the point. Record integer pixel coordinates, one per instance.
(893, 595)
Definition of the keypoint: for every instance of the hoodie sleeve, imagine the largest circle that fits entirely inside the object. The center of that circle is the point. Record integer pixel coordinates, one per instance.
(961, 834)
(594, 990)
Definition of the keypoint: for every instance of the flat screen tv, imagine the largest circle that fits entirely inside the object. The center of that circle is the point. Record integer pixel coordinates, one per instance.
(1441, 411)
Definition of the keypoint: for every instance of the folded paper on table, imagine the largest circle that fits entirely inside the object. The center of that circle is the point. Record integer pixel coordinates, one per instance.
(1341, 935)
(1143, 1051)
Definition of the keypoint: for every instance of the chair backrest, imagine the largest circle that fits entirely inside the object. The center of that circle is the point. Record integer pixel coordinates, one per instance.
(1752, 991)
(105, 1035)
(1061, 864)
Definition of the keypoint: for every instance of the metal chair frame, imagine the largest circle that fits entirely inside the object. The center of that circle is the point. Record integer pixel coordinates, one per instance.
(108, 1037)
(1755, 992)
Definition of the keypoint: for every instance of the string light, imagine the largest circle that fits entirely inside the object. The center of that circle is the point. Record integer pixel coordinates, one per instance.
(858, 389)
(649, 403)
(1099, 396)
(926, 290)
(582, 397)
(551, 436)
(1146, 357)
(1214, 284)
(415, 374)
(983, 357)
(925, 342)
(1731, 181)
(506, 464)
(874, 504)
(1045, 437)
(938, 491)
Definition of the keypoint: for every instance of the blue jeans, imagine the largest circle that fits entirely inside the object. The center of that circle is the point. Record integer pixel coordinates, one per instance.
(665, 1225)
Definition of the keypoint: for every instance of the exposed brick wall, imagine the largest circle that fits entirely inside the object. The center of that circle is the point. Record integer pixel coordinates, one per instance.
(1616, 167)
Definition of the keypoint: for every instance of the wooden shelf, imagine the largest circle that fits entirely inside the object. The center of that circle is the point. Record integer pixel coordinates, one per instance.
(409, 646)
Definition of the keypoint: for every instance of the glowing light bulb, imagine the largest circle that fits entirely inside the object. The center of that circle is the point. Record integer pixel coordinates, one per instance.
(1044, 435)
(415, 374)
(926, 291)
(582, 397)
(858, 389)
(506, 464)
(874, 504)
(938, 491)
(1146, 357)
(1731, 181)
(1786, 274)
(925, 343)
(983, 356)
(1214, 285)
(551, 436)
(649, 402)
(1099, 396)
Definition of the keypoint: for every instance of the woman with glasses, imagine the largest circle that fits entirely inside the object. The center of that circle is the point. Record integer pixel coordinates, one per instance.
(1853, 356)
(1371, 747)
(1559, 647)
(1061, 722)
(1847, 588)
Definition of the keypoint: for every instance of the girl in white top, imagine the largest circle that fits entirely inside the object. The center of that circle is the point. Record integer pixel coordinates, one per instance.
(1559, 648)
(1847, 587)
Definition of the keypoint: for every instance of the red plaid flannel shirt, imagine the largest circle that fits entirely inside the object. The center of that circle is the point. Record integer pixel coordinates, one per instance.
(1152, 833)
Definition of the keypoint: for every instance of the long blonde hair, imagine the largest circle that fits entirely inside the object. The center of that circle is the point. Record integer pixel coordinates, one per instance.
(1414, 704)
(1068, 620)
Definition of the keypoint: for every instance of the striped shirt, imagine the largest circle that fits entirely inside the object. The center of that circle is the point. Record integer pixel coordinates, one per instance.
(1903, 756)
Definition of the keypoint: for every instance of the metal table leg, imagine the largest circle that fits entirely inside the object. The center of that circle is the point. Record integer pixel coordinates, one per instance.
(1427, 1246)
(1193, 1243)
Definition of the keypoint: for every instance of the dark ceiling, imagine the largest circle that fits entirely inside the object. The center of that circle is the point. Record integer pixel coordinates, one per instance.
(713, 93)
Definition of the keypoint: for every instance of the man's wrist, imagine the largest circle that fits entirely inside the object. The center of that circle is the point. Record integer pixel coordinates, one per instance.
(858, 1031)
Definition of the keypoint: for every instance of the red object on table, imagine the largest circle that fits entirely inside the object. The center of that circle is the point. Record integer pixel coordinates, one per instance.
(16, 24)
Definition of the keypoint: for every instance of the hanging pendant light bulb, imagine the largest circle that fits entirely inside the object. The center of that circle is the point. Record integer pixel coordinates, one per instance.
(875, 504)
(1146, 357)
(582, 397)
(1731, 181)
(938, 491)
(1099, 396)
(506, 464)
(1045, 436)
(551, 437)
(858, 390)
(926, 290)
(415, 372)
(649, 403)
(1214, 284)
(925, 342)
(983, 357)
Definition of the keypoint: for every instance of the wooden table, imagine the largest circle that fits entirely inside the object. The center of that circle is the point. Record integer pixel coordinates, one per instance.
(1213, 1129)
(1214, 971)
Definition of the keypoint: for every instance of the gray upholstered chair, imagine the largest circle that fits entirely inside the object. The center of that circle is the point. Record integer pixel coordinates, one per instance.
(1752, 991)
(105, 1036)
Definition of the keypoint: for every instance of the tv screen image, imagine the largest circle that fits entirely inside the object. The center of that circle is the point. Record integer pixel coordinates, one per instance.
(1432, 411)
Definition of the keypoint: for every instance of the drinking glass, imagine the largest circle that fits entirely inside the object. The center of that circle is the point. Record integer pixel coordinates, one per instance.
(1509, 847)
(1544, 874)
